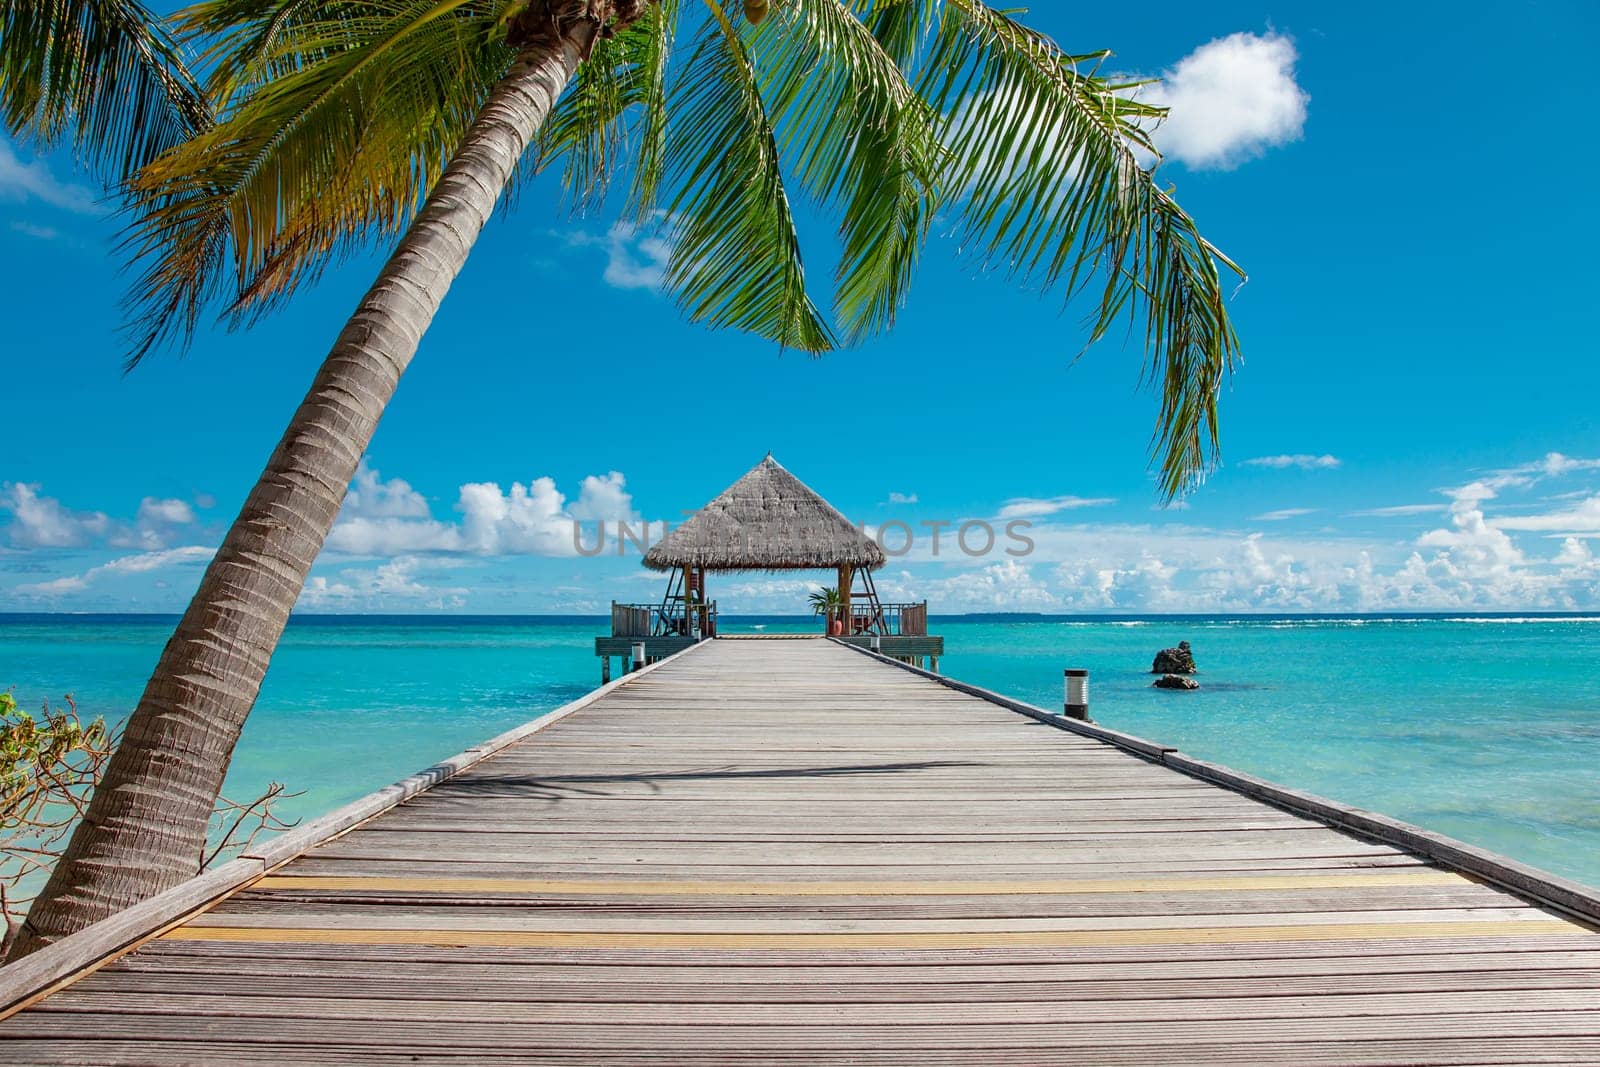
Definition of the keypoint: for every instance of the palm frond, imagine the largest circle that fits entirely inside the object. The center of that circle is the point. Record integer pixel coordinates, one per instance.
(901, 26)
(1043, 159)
(859, 139)
(736, 259)
(341, 116)
(619, 94)
(103, 76)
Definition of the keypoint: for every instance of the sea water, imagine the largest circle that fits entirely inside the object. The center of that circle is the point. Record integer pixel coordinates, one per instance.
(1483, 727)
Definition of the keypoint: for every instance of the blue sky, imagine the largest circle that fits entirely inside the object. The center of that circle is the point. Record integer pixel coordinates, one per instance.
(1412, 427)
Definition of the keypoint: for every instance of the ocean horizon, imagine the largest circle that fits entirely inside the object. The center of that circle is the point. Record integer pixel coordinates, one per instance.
(1484, 726)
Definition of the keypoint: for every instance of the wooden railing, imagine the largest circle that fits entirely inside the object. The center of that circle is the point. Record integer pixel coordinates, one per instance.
(663, 620)
(889, 620)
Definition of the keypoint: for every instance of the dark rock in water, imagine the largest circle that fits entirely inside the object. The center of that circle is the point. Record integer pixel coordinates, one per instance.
(1175, 681)
(1174, 660)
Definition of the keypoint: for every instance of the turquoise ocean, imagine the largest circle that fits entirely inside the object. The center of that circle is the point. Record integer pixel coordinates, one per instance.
(1484, 727)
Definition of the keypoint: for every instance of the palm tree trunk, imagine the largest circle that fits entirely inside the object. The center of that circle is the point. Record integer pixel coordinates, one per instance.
(145, 828)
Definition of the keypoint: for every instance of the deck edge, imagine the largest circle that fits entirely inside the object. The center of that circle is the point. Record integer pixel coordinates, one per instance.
(60, 964)
(1572, 898)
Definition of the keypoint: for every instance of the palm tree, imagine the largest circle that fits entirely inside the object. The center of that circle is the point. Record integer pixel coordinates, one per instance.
(105, 76)
(825, 602)
(348, 121)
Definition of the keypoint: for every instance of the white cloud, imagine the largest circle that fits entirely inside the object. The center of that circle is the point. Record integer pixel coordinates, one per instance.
(43, 233)
(532, 519)
(370, 497)
(139, 564)
(636, 258)
(1574, 553)
(1005, 586)
(1231, 99)
(383, 586)
(603, 498)
(44, 522)
(1024, 507)
(1285, 513)
(24, 182)
(1552, 465)
(168, 512)
(1400, 509)
(159, 524)
(902, 498)
(790, 593)
(1302, 460)
(1583, 518)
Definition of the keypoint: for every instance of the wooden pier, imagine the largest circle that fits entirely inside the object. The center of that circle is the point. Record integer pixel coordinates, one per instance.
(796, 853)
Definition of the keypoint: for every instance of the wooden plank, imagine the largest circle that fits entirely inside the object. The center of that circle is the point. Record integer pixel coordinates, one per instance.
(513, 985)
(1421, 877)
(1068, 938)
(723, 1039)
(1427, 1052)
(154, 1003)
(1341, 956)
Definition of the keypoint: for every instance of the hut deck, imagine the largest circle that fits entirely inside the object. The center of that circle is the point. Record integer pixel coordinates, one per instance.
(792, 853)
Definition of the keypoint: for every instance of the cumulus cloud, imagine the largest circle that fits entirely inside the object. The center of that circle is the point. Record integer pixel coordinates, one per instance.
(39, 521)
(44, 522)
(160, 523)
(138, 564)
(394, 583)
(1004, 586)
(30, 181)
(1025, 507)
(1231, 99)
(370, 497)
(391, 518)
(1303, 460)
(636, 257)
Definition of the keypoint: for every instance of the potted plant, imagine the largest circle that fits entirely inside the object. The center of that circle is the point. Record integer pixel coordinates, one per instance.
(826, 602)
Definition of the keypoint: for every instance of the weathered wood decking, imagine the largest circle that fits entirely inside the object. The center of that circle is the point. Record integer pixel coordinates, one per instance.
(793, 853)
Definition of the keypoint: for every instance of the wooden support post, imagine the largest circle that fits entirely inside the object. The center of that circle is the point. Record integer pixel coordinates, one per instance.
(605, 669)
(688, 599)
(933, 664)
(638, 655)
(699, 602)
(847, 578)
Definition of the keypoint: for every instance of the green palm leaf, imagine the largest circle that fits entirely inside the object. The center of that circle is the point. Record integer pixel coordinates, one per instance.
(736, 260)
(338, 120)
(860, 140)
(617, 99)
(105, 76)
(1044, 158)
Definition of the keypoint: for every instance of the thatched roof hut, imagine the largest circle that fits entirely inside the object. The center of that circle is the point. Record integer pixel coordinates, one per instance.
(769, 520)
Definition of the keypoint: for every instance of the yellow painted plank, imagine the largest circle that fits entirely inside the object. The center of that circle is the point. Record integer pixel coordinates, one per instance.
(993, 939)
(1067, 887)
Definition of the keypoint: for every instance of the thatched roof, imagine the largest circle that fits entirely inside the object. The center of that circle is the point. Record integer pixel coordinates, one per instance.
(768, 520)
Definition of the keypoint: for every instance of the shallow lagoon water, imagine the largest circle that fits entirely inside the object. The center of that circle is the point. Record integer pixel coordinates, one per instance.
(1486, 728)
